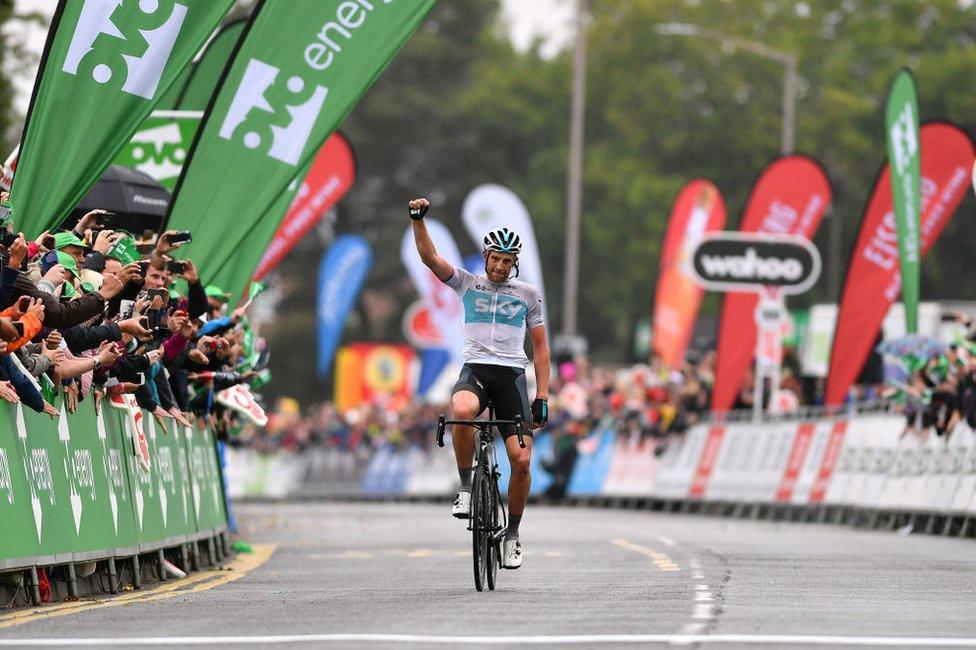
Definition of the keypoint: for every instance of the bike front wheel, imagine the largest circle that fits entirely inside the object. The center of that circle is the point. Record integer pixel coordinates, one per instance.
(480, 527)
(494, 551)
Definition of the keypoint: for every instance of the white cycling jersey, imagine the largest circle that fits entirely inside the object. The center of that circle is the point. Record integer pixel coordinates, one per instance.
(496, 317)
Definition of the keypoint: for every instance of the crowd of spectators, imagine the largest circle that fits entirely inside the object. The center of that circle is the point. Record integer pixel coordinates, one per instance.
(641, 401)
(93, 313)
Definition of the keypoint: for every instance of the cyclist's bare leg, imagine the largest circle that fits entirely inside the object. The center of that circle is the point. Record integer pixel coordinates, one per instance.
(464, 406)
(520, 480)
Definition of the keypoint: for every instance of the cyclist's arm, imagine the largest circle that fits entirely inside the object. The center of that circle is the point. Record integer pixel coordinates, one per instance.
(428, 254)
(540, 359)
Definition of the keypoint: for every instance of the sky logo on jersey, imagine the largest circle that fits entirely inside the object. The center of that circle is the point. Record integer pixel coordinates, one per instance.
(143, 72)
(483, 308)
(287, 143)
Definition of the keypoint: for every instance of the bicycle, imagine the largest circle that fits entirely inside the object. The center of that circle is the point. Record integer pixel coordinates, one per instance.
(487, 519)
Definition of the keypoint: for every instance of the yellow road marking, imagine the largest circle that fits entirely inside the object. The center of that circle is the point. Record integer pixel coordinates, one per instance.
(661, 560)
(238, 568)
(420, 552)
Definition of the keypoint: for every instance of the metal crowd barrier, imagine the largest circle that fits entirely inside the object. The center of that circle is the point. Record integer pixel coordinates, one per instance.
(76, 489)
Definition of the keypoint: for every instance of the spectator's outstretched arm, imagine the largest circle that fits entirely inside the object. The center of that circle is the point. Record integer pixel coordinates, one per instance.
(26, 390)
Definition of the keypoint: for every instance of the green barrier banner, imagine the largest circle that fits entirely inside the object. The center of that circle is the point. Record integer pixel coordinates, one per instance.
(105, 66)
(205, 484)
(18, 500)
(904, 158)
(300, 68)
(160, 146)
(72, 489)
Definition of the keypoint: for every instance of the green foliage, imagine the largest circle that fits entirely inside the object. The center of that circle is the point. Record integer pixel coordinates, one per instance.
(459, 107)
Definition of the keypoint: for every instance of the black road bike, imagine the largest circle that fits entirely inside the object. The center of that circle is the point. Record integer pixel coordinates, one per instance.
(488, 519)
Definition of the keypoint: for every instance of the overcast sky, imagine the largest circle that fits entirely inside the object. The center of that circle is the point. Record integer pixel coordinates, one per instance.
(526, 19)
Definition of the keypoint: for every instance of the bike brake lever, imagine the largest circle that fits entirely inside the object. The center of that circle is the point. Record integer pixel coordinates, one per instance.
(518, 430)
(440, 430)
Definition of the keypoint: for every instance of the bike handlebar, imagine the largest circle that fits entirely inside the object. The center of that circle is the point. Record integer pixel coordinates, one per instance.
(442, 421)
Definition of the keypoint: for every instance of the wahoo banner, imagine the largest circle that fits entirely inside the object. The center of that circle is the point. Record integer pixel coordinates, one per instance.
(159, 148)
(903, 161)
(699, 209)
(441, 301)
(106, 64)
(492, 206)
(341, 276)
(790, 198)
(300, 67)
(873, 279)
(331, 176)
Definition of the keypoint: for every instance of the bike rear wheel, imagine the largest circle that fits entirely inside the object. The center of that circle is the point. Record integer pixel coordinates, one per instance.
(480, 527)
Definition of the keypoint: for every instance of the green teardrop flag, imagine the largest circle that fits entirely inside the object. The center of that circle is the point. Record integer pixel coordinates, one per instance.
(904, 160)
(205, 78)
(106, 64)
(300, 68)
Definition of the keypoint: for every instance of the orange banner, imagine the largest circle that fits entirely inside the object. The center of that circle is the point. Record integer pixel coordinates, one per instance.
(699, 209)
(373, 373)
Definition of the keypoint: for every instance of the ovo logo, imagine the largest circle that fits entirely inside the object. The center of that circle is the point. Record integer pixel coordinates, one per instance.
(288, 141)
(143, 72)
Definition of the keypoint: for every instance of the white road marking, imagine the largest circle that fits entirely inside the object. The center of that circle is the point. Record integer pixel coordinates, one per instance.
(581, 639)
(702, 611)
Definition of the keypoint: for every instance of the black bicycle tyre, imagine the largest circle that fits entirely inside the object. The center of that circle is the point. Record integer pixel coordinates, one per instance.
(493, 552)
(478, 525)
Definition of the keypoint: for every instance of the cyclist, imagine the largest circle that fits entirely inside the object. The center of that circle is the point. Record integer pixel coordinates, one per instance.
(498, 310)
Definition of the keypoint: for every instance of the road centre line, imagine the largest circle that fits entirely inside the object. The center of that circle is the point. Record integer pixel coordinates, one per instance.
(581, 639)
(195, 583)
(663, 562)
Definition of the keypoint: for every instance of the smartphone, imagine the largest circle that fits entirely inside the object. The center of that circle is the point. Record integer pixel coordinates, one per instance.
(143, 267)
(23, 303)
(183, 305)
(181, 237)
(19, 326)
(126, 307)
(106, 218)
(175, 267)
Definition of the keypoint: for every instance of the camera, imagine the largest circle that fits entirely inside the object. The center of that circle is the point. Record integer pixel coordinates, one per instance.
(181, 237)
(8, 238)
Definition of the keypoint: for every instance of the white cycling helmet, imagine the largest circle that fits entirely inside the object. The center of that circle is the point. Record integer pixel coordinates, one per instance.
(503, 240)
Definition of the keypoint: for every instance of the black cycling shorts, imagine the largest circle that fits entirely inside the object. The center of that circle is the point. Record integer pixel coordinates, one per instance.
(503, 386)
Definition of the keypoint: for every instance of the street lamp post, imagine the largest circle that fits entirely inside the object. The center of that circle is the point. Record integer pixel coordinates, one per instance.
(574, 192)
(785, 59)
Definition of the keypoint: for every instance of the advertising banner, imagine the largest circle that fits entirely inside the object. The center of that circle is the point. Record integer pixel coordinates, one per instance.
(873, 279)
(373, 373)
(789, 198)
(331, 176)
(300, 67)
(699, 209)
(493, 206)
(441, 301)
(901, 119)
(159, 147)
(341, 275)
(203, 77)
(105, 66)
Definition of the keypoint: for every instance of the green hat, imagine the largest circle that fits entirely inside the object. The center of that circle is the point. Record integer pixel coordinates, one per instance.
(63, 239)
(216, 293)
(68, 262)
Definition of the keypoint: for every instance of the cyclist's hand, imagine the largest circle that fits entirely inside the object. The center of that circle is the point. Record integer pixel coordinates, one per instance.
(540, 411)
(418, 208)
